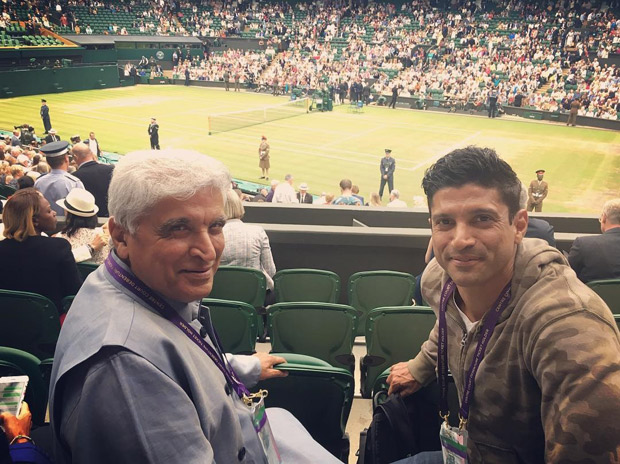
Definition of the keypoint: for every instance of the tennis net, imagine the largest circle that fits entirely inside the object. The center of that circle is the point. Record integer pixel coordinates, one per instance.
(224, 122)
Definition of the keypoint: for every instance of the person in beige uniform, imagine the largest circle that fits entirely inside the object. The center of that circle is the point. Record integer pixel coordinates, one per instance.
(263, 156)
(537, 192)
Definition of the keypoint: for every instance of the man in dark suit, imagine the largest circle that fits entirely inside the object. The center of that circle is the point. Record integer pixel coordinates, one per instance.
(598, 257)
(303, 196)
(45, 116)
(96, 177)
(52, 136)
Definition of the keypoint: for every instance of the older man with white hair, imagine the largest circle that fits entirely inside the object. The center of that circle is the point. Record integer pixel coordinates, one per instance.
(137, 378)
(395, 201)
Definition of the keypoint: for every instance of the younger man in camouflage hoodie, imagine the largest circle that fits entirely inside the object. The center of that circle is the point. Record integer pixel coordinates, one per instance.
(548, 386)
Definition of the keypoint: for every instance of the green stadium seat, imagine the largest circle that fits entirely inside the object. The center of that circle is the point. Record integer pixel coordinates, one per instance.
(236, 324)
(323, 330)
(306, 285)
(28, 322)
(609, 291)
(373, 289)
(6, 191)
(393, 334)
(14, 362)
(319, 396)
(236, 283)
(86, 268)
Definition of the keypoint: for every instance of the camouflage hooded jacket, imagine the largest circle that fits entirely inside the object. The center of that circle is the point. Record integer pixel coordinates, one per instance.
(548, 388)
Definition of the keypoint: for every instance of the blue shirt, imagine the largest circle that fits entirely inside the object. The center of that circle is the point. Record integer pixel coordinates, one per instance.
(56, 185)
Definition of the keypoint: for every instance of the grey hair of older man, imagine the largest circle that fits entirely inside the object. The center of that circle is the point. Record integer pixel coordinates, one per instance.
(144, 178)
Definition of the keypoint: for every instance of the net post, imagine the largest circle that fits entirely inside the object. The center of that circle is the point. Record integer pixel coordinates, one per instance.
(209, 124)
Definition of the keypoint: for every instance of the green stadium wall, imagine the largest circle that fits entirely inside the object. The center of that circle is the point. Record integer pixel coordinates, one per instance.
(38, 81)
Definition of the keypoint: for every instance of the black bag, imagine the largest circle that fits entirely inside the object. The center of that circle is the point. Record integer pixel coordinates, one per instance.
(402, 427)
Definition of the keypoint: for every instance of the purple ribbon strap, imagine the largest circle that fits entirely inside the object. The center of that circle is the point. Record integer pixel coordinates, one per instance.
(442, 356)
(142, 291)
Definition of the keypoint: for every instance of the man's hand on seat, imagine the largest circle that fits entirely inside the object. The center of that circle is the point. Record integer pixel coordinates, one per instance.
(401, 381)
(267, 362)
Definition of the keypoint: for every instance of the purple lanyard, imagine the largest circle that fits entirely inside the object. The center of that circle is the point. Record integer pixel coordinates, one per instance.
(142, 291)
(442, 358)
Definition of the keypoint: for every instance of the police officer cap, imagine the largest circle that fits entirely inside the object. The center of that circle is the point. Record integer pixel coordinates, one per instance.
(54, 149)
(540, 170)
(387, 150)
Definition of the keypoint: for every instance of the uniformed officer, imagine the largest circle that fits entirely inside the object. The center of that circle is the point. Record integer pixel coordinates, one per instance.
(154, 134)
(387, 167)
(45, 116)
(537, 192)
(58, 183)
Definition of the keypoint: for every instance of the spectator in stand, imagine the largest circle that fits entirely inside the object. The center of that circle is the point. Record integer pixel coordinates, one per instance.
(285, 193)
(93, 144)
(395, 201)
(375, 200)
(346, 197)
(355, 190)
(598, 257)
(89, 242)
(95, 176)
(247, 245)
(43, 265)
(272, 190)
(303, 196)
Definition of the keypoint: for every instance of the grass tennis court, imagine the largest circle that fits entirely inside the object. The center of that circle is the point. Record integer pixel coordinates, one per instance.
(583, 165)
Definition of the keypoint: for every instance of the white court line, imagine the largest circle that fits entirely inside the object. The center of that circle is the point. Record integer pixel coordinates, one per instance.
(460, 144)
(351, 137)
(235, 138)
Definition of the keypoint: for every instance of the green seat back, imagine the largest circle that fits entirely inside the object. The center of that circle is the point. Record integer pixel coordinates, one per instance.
(323, 330)
(609, 291)
(374, 289)
(6, 191)
(67, 302)
(320, 397)
(236, 283)
(393, 334)
(28, 322)
(306, 285)
(17, 362)
(236, 324)
(86, 268)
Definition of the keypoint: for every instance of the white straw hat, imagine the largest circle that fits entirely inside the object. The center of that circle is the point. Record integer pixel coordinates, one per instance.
(79, 202)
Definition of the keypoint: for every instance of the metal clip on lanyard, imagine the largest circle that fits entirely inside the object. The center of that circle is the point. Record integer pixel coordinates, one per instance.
(442, 356)
(144, 293)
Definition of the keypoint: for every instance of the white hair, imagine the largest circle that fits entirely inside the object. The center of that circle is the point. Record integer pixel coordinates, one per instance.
(611, 209)
(144, 178)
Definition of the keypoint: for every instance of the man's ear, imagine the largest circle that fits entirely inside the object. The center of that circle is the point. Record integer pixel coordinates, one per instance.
(119, 237)
(520, 222)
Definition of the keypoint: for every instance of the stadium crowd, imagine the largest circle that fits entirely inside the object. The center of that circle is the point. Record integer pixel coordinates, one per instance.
(524, 53)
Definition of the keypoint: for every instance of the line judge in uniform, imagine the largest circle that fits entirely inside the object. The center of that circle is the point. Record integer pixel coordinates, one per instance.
(137, 378)
(537, 192)
(58, 182)
(387, 167)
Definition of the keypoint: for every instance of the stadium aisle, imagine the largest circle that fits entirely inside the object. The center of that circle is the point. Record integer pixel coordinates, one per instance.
(361, 411)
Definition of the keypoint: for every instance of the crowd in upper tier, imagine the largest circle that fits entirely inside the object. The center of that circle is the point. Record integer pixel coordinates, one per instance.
(536, 54)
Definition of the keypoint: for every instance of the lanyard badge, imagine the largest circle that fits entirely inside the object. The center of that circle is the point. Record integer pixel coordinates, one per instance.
(454, 439)
(256, 403)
